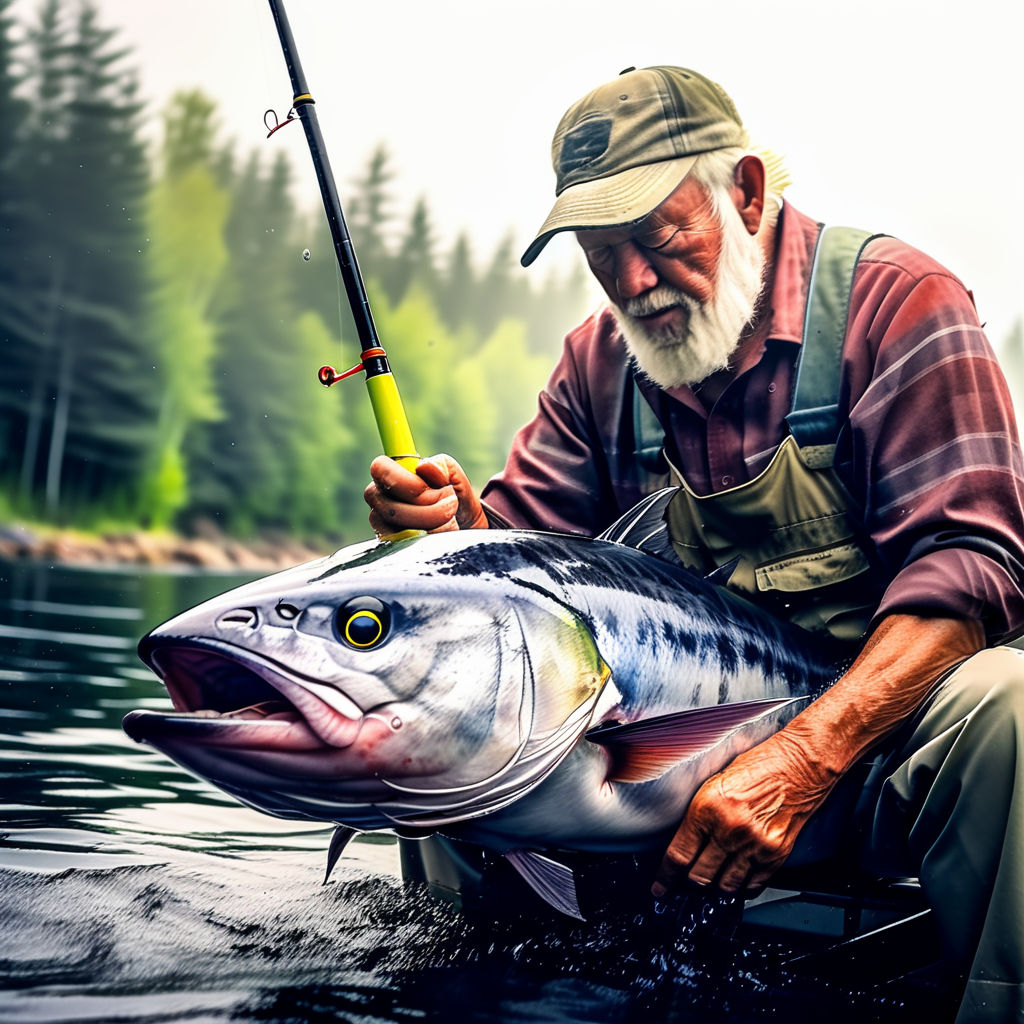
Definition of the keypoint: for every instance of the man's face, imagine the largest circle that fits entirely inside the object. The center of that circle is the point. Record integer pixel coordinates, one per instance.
(684, 282)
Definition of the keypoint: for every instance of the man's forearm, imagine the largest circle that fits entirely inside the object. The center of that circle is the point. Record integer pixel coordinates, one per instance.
(900, 663)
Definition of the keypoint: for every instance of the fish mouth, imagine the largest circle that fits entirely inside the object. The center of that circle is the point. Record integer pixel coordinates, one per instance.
(228, 696)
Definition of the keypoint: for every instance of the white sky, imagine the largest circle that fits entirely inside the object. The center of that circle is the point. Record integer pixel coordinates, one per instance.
(895, 115)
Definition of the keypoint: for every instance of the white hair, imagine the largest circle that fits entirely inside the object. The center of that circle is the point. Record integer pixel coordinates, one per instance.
(716, 170)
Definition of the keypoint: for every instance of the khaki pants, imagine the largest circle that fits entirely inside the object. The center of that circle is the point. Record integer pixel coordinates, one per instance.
(944, 801)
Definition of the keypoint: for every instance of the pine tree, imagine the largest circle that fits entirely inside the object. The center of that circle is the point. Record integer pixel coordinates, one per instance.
(232, 466)
(186, 219)
(493, 297)
(369, 213)
(414, 263)
(106, 399)
(85, 374)
(17, 315)
(456, 289)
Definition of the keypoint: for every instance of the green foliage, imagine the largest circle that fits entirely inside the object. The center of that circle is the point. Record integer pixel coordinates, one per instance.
(162, 330)
(77, 403)
(187, 214)
(1011, 356)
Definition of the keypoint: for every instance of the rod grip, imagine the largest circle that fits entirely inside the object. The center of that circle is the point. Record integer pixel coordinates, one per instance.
(392, 425)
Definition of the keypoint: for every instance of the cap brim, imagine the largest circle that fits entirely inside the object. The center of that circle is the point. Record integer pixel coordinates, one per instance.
(610, 202)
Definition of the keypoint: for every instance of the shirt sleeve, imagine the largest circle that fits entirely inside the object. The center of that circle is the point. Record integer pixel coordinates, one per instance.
(935, 454)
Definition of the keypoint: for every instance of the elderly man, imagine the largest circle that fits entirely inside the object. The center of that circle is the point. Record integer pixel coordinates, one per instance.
(857, 472)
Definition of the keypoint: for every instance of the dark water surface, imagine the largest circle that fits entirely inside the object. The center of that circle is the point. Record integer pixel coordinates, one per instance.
(131, 891)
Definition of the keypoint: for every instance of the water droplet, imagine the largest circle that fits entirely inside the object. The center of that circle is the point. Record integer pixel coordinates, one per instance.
(396, 722)
(306, 254)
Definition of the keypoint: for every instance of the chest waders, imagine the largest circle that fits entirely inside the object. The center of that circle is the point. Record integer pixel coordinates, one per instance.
(789, 540)
(786, 540)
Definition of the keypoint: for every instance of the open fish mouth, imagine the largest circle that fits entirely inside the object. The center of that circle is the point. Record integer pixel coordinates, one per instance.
(227, 696)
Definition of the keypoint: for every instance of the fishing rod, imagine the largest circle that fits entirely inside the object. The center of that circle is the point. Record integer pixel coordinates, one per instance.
(388, 411)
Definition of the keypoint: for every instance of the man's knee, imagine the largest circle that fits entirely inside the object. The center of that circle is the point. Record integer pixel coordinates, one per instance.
(989, 684)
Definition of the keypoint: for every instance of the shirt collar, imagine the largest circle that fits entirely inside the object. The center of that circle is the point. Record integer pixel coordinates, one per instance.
(795, 238)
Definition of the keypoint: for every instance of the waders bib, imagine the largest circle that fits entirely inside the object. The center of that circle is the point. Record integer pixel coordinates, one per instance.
(788, 540)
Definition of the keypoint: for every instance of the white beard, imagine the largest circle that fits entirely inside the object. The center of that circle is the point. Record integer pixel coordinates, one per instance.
(713, 329)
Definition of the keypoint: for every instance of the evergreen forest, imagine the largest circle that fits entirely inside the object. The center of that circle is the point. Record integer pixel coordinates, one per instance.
(164, 310)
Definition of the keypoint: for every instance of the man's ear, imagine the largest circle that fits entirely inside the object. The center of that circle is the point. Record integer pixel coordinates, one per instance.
(748, 191)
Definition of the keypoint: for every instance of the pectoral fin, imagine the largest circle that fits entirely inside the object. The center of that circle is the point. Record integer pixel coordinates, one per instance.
(645, 750)
(551, 881)
(340, 839)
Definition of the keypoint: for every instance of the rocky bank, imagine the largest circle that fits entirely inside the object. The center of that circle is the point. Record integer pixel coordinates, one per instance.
(155, 550)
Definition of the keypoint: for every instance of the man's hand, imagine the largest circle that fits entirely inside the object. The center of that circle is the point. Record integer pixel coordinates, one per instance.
(743, 822)
(438, 496)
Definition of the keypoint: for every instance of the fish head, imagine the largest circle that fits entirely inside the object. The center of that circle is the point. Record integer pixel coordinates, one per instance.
(375, 687)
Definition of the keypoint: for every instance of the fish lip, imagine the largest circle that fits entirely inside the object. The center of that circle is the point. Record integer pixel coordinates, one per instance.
(205, 674)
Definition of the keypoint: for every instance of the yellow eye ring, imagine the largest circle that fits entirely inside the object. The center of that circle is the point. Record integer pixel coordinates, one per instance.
(363, 622)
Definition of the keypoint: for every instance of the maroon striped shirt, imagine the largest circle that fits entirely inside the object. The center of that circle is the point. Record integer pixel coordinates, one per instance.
(929, 449)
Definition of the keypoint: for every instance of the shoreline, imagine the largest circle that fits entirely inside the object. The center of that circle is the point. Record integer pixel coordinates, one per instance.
(154, 550)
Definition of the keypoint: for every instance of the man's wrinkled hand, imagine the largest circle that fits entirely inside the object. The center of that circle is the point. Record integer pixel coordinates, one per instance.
(742, 824)
(437, 497)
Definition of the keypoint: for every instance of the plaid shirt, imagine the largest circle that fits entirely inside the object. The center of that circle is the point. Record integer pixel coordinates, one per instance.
(928, 450)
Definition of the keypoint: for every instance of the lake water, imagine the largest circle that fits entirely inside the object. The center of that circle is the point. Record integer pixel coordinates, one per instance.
(132, 892)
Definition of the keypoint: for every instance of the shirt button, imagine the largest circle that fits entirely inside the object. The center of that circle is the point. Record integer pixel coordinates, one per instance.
(726, 481)
(771, 388)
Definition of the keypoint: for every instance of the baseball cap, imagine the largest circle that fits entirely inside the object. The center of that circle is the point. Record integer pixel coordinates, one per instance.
(624, 147)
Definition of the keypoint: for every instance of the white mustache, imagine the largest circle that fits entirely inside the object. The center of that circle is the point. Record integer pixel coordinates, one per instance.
(657, 301)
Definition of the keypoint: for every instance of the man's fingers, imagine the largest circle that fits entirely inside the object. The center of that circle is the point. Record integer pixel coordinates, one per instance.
(401, 500)
(438, 496)
(705, 870)
(397, 483)
(682, 852)
(435, 471)
(390, 517)
(736, 875)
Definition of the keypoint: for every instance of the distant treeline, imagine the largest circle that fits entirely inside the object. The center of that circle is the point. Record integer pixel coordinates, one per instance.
(161, 326)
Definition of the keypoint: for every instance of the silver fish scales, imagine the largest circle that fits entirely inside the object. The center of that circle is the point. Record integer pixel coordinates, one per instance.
(526, 691)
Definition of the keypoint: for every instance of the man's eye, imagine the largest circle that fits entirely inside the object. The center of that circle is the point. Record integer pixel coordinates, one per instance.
(598, 257)
(658, 238)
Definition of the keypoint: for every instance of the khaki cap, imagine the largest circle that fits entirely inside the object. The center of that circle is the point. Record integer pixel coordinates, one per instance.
(622, 149)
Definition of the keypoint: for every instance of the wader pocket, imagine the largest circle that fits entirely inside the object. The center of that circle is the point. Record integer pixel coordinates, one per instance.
(813, 570)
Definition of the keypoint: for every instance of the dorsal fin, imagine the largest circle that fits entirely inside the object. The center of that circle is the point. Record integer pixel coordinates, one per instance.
(552, 881)
(645, 750)
(644, 526)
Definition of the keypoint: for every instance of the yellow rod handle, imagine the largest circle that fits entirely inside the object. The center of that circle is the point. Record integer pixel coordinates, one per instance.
(388, 411)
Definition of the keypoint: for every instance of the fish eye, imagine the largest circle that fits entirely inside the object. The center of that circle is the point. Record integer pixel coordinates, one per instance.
(363, 622)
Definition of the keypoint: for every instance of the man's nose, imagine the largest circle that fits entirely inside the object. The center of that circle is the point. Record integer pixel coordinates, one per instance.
(634, 274)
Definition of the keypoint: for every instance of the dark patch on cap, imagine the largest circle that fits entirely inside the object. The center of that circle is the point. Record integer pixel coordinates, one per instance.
(584, 144)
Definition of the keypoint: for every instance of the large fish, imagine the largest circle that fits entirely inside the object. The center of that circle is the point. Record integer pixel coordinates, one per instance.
(528, 692)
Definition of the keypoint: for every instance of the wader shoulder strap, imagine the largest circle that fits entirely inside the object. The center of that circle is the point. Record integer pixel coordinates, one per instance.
(814, 419)
(648, 433)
